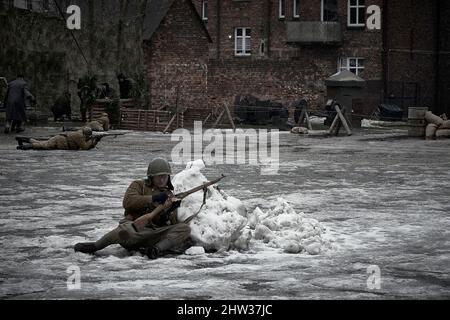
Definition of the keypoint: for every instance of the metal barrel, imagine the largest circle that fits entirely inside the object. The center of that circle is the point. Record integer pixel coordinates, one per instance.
(416, 121)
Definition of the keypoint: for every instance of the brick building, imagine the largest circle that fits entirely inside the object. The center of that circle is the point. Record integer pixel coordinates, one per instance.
(198, 53)
(290, 48)
(285, 49)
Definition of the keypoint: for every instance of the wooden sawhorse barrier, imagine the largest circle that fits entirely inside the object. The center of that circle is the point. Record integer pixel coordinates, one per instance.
(339, 121)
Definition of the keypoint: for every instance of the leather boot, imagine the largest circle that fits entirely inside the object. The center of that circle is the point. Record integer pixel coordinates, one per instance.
(85, 247)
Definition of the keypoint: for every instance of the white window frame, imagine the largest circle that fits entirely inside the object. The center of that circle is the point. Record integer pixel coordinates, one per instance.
(355, 7)
(244, 38)
(321, 10)
(296, 6)
(281, 14)
(344, 64)
(205, 11)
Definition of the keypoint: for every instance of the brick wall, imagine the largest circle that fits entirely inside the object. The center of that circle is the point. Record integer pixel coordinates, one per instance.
(176, 60)
(415, 33)
(443, 104)
(411, 58)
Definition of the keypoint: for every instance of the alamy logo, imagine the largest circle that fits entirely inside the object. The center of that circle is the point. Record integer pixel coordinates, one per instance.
(374, 19)
(374, 279)
(74, 278)
(73, 22)
(255, 147)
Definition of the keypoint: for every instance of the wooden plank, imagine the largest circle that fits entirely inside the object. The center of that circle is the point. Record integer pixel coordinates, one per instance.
(308, 123)
(139, 119)
(343, 120)
(229, 116)
(170, 123)
(333, 124)
(207, 118)
(218, 118)
(301, 118)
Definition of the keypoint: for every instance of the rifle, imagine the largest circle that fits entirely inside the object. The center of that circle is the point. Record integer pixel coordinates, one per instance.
(101, 134)
(145, 219)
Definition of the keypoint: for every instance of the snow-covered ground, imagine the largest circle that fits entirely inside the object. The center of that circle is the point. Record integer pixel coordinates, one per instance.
(373, 199)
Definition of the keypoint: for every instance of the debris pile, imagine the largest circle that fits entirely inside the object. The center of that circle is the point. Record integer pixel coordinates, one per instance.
(299, 130)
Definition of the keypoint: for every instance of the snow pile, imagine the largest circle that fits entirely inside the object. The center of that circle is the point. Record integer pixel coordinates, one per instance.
(223, 223)
(368, 123)
(282, 227)
(221, 219)
(194, 251)
(314, 120)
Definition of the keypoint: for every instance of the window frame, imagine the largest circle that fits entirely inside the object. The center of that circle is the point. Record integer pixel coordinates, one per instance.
(205, 12)
(244, 38)
(355, 7)
(281, 4)
(359, 68)
(296, 7)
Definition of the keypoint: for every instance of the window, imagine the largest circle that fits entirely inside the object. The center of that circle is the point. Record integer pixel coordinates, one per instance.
(205, 10)
(296, 10)
(356, 13)
(22, 4)
(329, 10)
(355, 65)
(242, 45)
(281, 9)
(45, 5)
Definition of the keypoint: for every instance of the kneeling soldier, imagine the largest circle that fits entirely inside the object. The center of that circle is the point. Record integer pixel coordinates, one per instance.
(163, 233)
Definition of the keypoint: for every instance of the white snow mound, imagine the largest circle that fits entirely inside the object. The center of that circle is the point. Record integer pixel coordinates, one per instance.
(282, 227)
(224, 223)
(221, 219)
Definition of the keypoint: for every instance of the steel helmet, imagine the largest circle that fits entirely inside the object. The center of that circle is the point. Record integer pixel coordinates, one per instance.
(87, 131)
(157, 167)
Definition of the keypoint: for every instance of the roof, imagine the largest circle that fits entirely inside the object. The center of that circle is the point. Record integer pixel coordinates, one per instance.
(156, 10)
(345, 78)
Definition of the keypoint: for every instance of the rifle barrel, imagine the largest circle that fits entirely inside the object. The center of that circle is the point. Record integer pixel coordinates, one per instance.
(184, 194)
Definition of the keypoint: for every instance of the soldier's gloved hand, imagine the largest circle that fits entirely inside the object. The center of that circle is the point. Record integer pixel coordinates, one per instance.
(160, 197)
(175, 205)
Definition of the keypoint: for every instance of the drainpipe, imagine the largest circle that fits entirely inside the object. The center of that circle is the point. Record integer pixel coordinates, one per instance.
(218, 31)
(268, 25)
(437, 56)
(385, 57)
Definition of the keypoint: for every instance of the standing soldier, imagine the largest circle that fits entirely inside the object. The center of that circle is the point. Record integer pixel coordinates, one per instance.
(77, 140)
(16, 95)
(161, 234)
(62, 106)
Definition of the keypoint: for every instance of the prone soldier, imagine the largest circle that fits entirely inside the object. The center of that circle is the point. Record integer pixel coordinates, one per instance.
(100, 124)
(78, 140)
